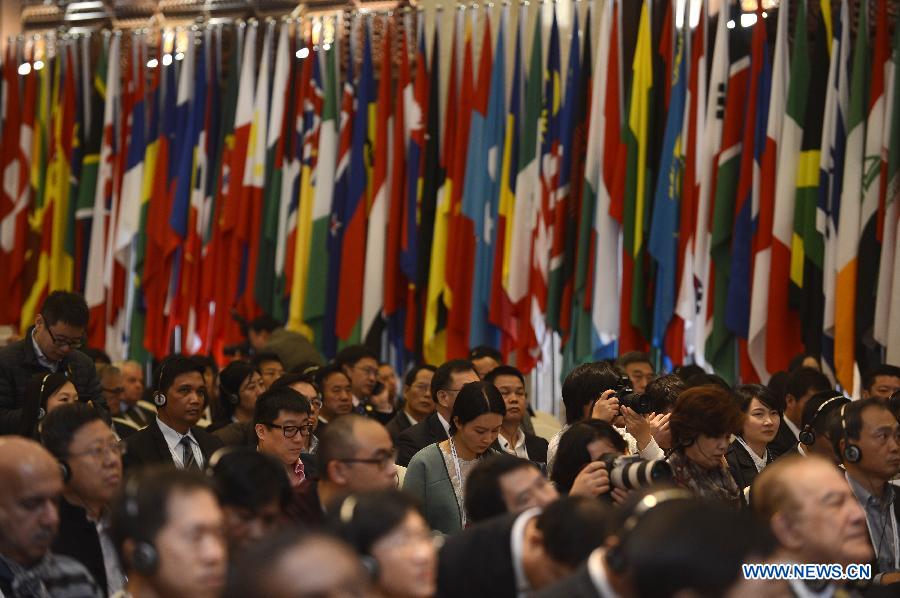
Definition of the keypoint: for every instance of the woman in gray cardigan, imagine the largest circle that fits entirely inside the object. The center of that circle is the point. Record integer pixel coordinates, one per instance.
(437, 473)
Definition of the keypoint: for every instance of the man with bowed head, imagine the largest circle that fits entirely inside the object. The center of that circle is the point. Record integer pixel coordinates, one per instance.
(29, 519)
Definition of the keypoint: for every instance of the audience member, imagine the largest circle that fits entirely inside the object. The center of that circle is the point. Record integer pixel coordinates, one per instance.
(707, 379)
(50, 346)
(484, 359)
(388, 377)
(112, 385)
(179, 395)
(337, 397)
(269, 366)
(638, 367)
(169, 531)
(417, 403)
(503, 483)
(819, 414)
(253, 492)
(306, 385)
(44, 393)
(750, 453)
(379, 406)
(867, 438)
(134, 407)
(685, 372)
(291, 564)
(881, 381)
(389, 532)
(29, 519)
(282, 425)
(802, 384)
(513, 439)
(355, 455)
(90, 458)
(446, 383)
(267, 335)
(360, 364)
(578, 470)
(657, 546)
(515, 555)
(98, 356)
(437, 473)
(213, 411)
(813, 514)
(807, 360)
(240, 385)
(702, 423)
(663, 392)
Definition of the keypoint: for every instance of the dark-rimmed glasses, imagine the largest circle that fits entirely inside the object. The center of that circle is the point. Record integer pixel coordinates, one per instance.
(291, 431)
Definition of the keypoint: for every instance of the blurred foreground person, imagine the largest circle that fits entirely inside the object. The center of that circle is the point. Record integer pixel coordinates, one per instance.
(502, 484)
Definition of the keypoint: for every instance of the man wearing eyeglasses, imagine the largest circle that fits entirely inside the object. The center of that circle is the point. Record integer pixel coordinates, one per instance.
(90, 456)
(282, 421)
(417, 403)
(51, 345)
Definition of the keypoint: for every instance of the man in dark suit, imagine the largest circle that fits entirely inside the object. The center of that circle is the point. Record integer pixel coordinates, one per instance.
(802, 384)
(417, 403)
(513, 439)
(515, 554)
(51, 345)
(180, 397)
(446, 383)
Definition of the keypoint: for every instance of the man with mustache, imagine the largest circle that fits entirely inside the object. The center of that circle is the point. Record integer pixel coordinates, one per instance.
(29, 518)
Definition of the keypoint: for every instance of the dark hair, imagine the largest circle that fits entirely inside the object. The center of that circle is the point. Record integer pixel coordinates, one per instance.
(142, 511)
(264, 323)
(61, 425)
(264, 356)
(665, 390)
(705, 379)
(584, 385)
(484, 498)
(482, 351)
(572, 528)
(338, 441)
(275, 400)
(778, 384)
(66, 307)
(686, 371)
(353, 354)
(286, 380)
(206, 361)
(325, 372)
(798, 360)
(98, 356)
(572, 455)
(883, 369)
(364, 519)
(850, 426)
(171, 367)
(39, 389)
(230, 379)
(626, 359)
(306, 367)
(504, 370)
(747, 392)
(708, 410)
(442, 375)
(247, 478)
(659, 548)
(473, 400)
(804, 379)
(410, 377)
(811, 409)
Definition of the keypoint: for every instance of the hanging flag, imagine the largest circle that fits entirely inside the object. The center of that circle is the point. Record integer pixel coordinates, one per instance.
(850, 218)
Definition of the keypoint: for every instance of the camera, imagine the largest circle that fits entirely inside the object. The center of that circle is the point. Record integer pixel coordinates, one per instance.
(640, 403)
(630, 472)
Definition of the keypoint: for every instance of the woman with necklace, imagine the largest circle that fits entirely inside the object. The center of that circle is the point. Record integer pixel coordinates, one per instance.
(437, 474)
(748, 454)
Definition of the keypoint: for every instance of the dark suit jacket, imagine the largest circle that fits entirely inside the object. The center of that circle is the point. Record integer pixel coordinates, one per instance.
(398, 424)
(19, 363)
(78, 538)
(478, 561)
(535, 445)
(415, 438)
(785, 442)
(148, 446)
(743, 470)
(577, 585)
(305, 508)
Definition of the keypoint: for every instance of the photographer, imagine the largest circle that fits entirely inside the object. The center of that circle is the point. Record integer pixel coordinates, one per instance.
(577, 470)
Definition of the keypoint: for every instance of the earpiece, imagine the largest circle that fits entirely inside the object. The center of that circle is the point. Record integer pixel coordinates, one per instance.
(807, 435)
(852, 453)
(65, 470)
(144, 557)
(159, 397)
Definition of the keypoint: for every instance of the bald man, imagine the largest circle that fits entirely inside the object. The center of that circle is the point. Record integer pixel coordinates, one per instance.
(29, 518)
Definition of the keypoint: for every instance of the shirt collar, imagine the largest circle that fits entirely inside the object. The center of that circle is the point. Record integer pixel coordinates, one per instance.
(504, 443)
(517, 547)
(444, 423)
(42, 359)
(412, 420)
(597, 571)
(172, 436)
(793, 428)
(867, 498)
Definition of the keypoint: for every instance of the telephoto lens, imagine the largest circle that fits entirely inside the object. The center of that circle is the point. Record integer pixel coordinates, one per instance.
(633, 472)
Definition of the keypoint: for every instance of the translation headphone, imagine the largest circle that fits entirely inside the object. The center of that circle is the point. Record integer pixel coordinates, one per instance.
(807, 435)
(615, 556)
(216, 457)
(42, 410)
(145, 557)
(851, 453)
(346, 514)
(159, 397)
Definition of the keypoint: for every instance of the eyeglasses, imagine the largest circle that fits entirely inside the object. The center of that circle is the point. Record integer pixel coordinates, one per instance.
(118, 390)
(384, 461)
(291, 431)
(422, 387)
(114, 447)
(367, 371)
(60, 341)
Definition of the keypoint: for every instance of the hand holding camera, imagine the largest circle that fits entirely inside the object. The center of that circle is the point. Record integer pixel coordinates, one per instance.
(592, 481)
(606, 407)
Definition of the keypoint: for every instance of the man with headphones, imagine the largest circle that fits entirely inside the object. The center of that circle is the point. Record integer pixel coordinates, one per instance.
(174, 438)
(866, 436)
(819, 413)
(90, 458)
(169, 531)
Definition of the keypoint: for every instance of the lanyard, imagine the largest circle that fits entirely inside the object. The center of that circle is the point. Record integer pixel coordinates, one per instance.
(760, 463)
(893, 522)
(459, 501)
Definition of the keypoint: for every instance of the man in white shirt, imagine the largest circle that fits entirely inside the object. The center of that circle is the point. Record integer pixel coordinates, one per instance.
(513, 439)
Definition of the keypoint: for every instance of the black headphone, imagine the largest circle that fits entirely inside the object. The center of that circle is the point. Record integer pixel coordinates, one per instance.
(42, 410)
(159, 397)
(615, 556)
(145, 557)
(807, 435)
(852, 453)
(216, 458)
(346, 513)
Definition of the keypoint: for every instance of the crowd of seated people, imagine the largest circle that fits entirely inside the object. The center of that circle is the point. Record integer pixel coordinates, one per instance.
(282, 474)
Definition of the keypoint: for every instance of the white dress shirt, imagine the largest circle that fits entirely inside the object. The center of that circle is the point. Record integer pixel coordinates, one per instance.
(173, 440)
(517, 548)
(519, 449)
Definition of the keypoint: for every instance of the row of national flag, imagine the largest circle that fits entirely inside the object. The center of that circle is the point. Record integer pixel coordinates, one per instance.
(714, 188)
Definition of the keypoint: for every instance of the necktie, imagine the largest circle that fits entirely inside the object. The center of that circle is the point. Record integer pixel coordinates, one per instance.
(187, 454)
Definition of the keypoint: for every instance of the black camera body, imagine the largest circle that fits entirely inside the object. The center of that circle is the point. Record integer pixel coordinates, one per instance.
(630, 472)
(638, 402)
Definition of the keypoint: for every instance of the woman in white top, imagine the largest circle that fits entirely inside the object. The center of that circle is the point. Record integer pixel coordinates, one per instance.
(748, 454)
